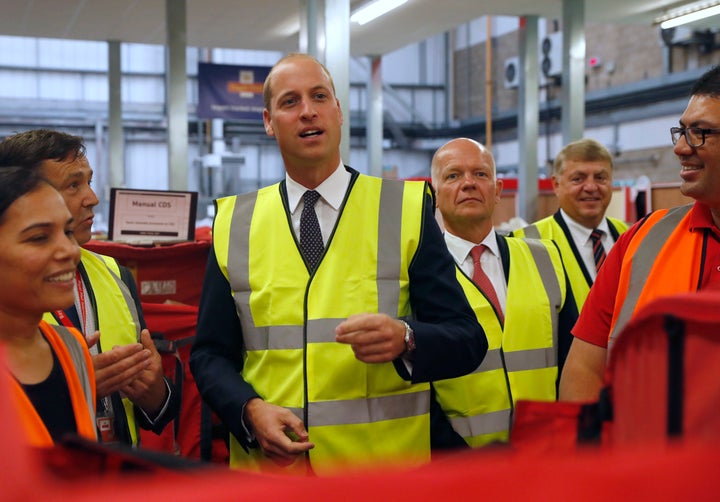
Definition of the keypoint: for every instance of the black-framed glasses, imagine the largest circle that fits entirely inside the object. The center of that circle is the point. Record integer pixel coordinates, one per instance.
(695, 136)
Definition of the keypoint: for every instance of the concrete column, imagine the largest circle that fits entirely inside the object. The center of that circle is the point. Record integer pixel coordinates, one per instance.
(573, 88)
(337, 60)
(176, 94)
(116, 147)
(311, 38)
(375, 117)
(528, 117)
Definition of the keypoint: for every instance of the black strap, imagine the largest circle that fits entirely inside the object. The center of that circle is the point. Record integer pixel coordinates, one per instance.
(675, 330)
(206, 432)
(166, 346)
(592, 416)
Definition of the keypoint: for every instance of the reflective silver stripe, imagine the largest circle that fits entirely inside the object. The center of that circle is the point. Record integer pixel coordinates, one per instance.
(533, 359)
(486, 423)
(492, 361)
(389, 234)
(289, 337)
(272, 337)
(129, 301)
(545, 267)
(298, 412)
(127, 296)
(238, 248)
(322, 330)
(238, 265)
(532, 232)
(365, 411)
(78, 358)
(642, 262)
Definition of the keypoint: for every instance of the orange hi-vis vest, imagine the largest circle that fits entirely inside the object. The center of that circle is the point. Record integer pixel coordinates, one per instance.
(71, 350)
(663, 258)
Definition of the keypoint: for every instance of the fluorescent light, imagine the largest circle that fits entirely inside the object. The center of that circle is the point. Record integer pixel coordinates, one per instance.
(689, 14)
(375, 9)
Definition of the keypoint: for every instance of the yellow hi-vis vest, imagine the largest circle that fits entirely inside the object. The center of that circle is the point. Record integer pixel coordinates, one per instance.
(548, 228)
(521, 362)
(355, 413)
(116, 315)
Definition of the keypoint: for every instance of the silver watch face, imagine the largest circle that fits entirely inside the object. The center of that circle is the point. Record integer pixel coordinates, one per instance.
(409, 337)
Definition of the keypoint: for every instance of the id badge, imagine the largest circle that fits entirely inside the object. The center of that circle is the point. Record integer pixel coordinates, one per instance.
(106, 428)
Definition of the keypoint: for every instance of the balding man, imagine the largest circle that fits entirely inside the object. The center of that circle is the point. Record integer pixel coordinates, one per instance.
(518, 290)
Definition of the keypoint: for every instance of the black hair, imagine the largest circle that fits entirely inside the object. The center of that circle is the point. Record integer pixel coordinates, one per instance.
(16, 181)
(30, 148)
(708, 84)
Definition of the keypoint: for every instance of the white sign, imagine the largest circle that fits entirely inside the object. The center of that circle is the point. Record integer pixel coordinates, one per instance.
(148, 216)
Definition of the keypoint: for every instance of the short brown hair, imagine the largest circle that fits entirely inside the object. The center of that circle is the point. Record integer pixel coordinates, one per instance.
(267, 90)
(582, 150)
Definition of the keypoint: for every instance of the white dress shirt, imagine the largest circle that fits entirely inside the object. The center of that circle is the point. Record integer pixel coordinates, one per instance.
(327, 208)
(581, 237)
(490, 261)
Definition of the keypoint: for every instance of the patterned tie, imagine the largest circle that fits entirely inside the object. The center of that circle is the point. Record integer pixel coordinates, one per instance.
(598, 249)
(311, 241)
(483, 281)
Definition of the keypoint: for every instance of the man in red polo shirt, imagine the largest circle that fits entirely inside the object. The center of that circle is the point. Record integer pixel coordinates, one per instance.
(668, 252)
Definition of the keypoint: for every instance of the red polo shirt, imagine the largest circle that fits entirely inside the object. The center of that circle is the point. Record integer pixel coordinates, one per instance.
(593, 325)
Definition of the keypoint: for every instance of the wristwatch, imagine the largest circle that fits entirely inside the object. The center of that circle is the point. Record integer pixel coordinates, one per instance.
(409, 338)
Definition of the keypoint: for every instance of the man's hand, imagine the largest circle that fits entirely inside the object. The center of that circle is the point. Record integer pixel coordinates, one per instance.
(281, 435)
(148, 390)
(117, 368)
(374, 338)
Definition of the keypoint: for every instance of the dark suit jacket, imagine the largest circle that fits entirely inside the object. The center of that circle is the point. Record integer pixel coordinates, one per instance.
(449, 340)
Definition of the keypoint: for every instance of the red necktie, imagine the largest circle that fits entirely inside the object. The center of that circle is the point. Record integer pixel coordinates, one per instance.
(598, 248)
(483, 281)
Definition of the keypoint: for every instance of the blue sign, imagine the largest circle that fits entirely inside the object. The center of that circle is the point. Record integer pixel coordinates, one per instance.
(230, 92)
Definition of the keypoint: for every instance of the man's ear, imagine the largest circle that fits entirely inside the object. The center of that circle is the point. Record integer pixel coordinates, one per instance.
(268, 125)
(555, 183)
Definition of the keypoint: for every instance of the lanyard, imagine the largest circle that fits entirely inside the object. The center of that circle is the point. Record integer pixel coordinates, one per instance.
(63, 318)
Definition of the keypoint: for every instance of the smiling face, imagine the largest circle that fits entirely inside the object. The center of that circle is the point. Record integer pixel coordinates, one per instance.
(72, 178)
(584, 190)
(305, 118)
(467, 189)
(700, 167)
(38, 255)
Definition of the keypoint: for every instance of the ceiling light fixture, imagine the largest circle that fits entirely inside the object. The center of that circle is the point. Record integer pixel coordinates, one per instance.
(375, 9)
(688, 14)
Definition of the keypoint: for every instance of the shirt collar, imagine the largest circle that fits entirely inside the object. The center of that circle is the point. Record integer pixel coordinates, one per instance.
(460, 248)
(332, 190)
(582, 231)
(701, 217)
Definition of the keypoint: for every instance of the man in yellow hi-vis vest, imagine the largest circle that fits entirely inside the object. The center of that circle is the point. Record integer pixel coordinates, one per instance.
(582, 180)
(519, 292)
(329, 302)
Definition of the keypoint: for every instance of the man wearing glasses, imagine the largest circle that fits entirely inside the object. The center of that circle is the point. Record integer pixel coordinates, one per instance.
(687, 239)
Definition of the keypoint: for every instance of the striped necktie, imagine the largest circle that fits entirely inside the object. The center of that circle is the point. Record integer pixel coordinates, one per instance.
(598, 248)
